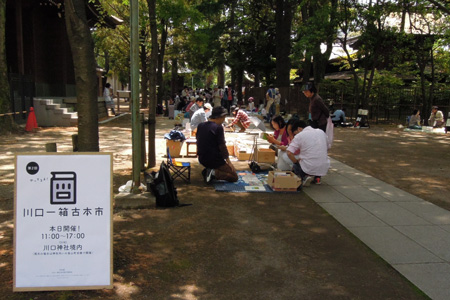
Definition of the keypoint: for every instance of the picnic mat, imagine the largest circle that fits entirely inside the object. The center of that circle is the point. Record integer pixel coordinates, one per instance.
(248, 183)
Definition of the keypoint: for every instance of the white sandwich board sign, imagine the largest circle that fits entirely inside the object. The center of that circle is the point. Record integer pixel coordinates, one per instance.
(63, 221)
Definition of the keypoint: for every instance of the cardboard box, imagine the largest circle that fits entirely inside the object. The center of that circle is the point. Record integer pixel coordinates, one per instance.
(174, 148)
(230, 149)
(265, 156)
(243, 156)
(283, 181)
(241, 153)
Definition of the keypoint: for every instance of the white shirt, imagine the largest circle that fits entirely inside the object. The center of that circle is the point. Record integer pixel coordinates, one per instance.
(198, 117)
(107, 95)
(313, 146)
(217, 94)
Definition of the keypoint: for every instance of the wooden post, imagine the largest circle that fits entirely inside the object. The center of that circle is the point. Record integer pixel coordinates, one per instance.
(118, 102)
(143, 152)
(134, 67)
(50, 147)
(75, 142)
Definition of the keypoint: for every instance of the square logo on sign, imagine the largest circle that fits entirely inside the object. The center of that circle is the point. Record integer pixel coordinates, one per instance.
(63, 188)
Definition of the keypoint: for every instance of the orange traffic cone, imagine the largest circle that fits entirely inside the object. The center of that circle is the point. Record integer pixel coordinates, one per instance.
(31, 121)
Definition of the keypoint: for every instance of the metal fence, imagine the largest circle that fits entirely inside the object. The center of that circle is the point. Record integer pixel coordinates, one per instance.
(385, 105)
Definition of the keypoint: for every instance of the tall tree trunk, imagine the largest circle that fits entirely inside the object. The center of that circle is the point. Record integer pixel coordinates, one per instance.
(403, 16)
(165, 90)
(345, 30)
(318, 66)
(321, 59)
(368, 82)
(152, 80)
(307, 68)
(283, 16)
(424, 46)
(233, 77)
(6, 123)
(240, 81)
(426, 101)
(231, 26)
(433, 77)
(144, 75)
(162, 50)
(352, 69)
(221, 75)
(174, 81)
(105, 73)
(82, 47)
(307, 63)
(257, 79)
(365, 100)
(364, 87)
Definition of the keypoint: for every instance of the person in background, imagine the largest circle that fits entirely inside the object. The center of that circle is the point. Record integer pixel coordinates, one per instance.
(207, 96)
(185, 92)
(270, 99)
(284, 163)
(276, 106)
(189, 104)
(263, 112)
(176, 100)
(317, 108)
(414, 120)
(182, 104)
(212, 150)
(338, 117)
(217, 96)
(228, 97)
(251, 104)
(436, 118)
(108, 99)
(280, 135)
(196, 106)
(201, 115)
(312, 145)
(241, 119)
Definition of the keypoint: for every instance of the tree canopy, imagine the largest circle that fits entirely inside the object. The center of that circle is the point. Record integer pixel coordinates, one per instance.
(266, 39)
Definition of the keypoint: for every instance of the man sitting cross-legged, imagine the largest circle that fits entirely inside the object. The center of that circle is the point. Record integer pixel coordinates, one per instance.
(212, 150)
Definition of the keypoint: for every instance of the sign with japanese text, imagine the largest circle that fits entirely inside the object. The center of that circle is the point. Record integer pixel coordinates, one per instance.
(63, 221)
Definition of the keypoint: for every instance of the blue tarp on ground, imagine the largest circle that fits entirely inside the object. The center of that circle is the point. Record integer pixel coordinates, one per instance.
(248, 183)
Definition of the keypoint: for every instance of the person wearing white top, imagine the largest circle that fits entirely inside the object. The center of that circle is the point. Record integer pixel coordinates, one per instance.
(436, 118)
(200, 115)
(284, 163)
(217, 96)
(313, 158)
(108, 100)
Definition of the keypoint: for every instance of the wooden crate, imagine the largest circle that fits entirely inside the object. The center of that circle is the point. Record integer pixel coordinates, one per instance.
(265, 156)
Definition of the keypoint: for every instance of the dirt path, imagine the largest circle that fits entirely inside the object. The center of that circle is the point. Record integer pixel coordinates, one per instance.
(416, 162)
(226, 245)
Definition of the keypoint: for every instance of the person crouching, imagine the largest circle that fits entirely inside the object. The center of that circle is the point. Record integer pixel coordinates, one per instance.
(241, 119)
(312, 146)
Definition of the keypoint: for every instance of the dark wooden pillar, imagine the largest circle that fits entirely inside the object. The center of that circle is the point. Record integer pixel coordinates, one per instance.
(19, 35)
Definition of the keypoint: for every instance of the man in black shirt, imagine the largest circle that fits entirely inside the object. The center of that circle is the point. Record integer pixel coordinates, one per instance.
(317, 108)
(212, 150)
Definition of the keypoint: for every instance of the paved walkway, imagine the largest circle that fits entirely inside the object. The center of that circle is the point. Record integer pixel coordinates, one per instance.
(409, 233)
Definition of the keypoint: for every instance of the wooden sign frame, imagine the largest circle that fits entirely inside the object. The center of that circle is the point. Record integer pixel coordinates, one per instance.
(63, 230)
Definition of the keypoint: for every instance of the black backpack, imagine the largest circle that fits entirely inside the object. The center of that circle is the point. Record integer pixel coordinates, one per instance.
(161, 185)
